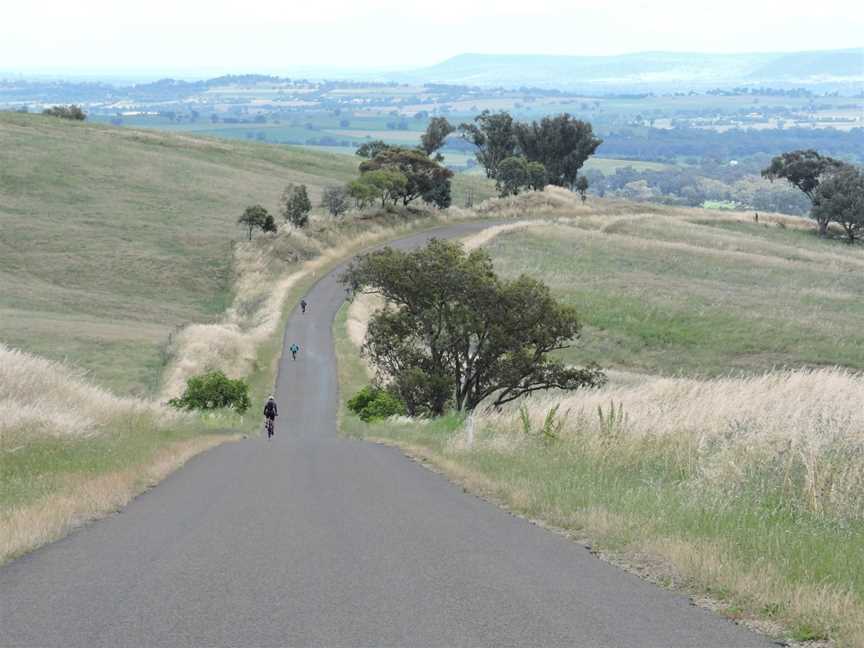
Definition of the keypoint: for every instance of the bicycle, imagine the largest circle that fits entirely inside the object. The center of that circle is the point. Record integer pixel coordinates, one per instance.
(268, 425)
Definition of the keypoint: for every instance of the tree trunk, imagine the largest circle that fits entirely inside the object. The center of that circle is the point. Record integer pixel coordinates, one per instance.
(823, 228)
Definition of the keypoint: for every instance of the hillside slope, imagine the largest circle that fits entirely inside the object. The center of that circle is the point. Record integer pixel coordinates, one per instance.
(110, 238)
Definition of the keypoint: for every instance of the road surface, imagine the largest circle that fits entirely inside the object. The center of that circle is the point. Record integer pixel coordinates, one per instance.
(313, 540)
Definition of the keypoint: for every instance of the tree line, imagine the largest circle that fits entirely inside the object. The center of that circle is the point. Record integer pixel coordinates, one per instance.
(670, 145)
(835, 188)
(518, 156)
(530, 155)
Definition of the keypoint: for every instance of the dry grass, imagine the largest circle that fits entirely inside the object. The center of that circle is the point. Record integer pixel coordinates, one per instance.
(71, 450)
(43, 399)
(745, 486)
(52, 421)
(799, 433)
(231, 345)
(266, 270)
(359, 312)
(711, 566)
(483, 237)
(118, 253)
(28, 526)
(116, 237)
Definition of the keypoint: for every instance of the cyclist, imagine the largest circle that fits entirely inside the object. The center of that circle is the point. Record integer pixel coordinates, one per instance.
(270, 413)
(294, 348)
(303, 305)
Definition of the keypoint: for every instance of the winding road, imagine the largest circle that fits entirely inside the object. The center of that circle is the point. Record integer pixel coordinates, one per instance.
(314, 540)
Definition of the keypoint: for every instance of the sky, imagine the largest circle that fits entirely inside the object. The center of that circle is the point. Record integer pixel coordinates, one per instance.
(269, 36)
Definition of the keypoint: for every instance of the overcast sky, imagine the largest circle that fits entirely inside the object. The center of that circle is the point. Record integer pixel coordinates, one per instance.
(271, 36)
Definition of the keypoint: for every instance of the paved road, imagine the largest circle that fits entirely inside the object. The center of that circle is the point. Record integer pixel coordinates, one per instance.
(312, 540)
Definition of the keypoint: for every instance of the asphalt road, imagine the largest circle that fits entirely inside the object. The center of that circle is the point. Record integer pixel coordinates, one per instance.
(313, 540)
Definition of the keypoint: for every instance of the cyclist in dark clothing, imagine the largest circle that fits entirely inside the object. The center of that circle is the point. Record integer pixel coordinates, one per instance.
(303, 305)
(270, 414)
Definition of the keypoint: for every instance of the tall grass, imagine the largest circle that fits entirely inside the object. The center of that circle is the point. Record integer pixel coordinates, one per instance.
(795, 437)
(746, 486)
(267, 269)
(71, 450)
(42, 399)
(751, 486)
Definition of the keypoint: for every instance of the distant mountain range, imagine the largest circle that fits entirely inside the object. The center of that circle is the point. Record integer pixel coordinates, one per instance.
(834, 69)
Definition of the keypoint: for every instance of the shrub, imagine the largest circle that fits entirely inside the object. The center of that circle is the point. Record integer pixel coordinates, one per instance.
(66, 112)
(213, 390)
(372, 403)
(335, 200)
(296, 205)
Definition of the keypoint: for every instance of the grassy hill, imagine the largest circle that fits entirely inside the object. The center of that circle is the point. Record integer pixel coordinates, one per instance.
(725, 456)
(111, 238)
(697, 294)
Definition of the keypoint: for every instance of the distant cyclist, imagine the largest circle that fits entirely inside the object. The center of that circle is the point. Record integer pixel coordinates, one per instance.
(270, 414)
(294, 348)
(303, 305)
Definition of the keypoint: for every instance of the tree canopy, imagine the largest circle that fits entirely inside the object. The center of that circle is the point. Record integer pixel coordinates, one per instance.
(512, 176)
(334, 199)
(561, 143)
(369, 150)
(384, 185)
(454, 334)
(805, 169)
(71, 111)
(436, 133)
(256, 217)
(802, 169)
(537, 176)
(581, 187)
(492, 134)
(840, 198)
(425, 177)
(296, 205)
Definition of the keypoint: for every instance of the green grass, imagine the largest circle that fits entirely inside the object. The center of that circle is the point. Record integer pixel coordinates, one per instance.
(40, 469)
(608, 166)
(147, 248)
(641, 500)
(698, 298)
(110, 238)
(686, 296)
(722, 205)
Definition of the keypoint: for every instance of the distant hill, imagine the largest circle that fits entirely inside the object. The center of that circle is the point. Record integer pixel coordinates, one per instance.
(648, 70)
(844, 63)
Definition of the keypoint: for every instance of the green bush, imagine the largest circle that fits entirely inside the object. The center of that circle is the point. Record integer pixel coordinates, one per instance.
(213, 390)
(372, 403)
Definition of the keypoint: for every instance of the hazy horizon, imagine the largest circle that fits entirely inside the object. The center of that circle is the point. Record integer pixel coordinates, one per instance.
(200, 39)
